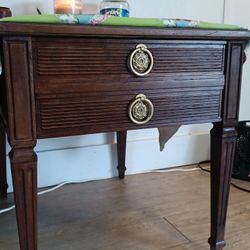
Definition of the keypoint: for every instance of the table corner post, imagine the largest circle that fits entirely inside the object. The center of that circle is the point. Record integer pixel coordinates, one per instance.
(21, 128)
(223, 143)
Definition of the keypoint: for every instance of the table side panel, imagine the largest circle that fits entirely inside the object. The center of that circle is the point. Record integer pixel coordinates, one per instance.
(235, 60)
(18, 75)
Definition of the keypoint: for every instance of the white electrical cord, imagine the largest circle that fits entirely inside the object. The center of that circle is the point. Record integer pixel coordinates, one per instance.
(50, 190)
(7, 209)
(86, 180)
(175, 170)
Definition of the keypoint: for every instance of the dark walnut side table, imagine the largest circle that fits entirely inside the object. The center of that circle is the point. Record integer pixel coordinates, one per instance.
(61, 80)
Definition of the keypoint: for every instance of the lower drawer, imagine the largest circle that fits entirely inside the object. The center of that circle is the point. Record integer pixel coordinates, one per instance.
(72, 114)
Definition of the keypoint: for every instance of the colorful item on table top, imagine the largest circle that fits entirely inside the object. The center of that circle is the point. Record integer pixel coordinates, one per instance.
(115, 12)
(119, 21)
(115, 8)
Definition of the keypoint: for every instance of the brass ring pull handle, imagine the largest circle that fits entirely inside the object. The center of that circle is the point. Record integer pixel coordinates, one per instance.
(141, 110)
(141, 60)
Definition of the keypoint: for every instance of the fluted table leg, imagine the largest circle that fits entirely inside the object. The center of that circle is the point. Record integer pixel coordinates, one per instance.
(121, 152)
(24, 174)
(223, 142)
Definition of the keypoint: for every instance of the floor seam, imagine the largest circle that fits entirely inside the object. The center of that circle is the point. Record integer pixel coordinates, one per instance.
(178, 230)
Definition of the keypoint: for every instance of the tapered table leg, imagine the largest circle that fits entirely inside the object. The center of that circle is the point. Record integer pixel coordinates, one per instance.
(121, 152)
(24, 174)
(3, 177)
(223, 141)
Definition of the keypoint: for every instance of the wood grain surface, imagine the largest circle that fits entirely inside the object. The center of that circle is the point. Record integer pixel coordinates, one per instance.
(145, 212)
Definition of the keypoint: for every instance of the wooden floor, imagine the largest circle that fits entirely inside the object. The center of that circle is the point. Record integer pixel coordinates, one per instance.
(156, 211)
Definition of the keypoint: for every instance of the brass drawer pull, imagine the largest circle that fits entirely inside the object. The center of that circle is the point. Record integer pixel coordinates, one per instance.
(141, 110)
(141, 60)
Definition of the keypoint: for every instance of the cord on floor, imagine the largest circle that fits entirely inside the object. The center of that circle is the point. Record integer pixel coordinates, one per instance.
(82, 181)
(208, 170)
(199, 167)
(49, 190)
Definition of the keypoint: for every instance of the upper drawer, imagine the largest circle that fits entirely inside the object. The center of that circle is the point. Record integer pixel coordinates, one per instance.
(77, 63)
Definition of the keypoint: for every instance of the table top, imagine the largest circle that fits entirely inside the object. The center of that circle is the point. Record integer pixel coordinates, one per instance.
(25, 29)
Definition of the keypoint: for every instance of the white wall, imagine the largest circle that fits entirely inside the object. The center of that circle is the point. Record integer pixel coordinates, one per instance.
(237, 11)
(211, 10)
(93, 156)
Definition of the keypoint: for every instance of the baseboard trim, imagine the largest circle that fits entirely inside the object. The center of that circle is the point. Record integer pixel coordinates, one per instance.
(100, 161)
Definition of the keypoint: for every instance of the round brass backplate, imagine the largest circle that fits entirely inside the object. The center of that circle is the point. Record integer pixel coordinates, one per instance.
(141, 110)
(141, 60)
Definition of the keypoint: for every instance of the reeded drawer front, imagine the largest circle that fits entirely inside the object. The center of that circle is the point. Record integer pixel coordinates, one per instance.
(73, 58)
(80, 63)
(86, 85)
(109, 111)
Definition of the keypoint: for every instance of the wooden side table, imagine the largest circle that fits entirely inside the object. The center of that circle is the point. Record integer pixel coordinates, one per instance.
(62, 80)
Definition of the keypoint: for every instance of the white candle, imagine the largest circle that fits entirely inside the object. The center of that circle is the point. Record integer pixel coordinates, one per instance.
(68, 7)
